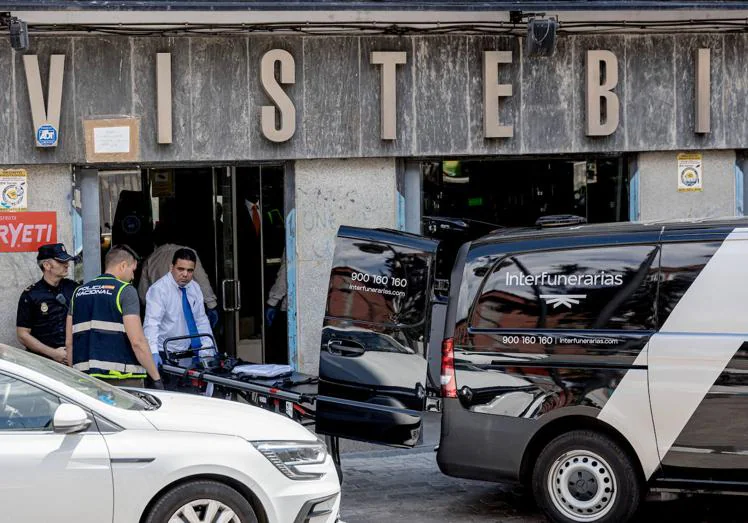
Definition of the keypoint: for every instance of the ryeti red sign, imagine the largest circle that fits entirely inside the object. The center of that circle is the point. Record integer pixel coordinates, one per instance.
(26, 231)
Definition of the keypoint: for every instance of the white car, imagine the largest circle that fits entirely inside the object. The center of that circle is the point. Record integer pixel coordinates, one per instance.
(75, 449)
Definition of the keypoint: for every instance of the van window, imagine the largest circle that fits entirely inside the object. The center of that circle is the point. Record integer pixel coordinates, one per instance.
(681, 264)
(591, 288)
(378, 282)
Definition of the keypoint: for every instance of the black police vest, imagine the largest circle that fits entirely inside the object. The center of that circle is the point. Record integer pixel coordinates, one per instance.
(100, 346)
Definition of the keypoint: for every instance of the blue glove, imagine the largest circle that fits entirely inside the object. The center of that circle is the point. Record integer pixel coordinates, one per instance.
(212, 316)
(270, 315)
(157, 360)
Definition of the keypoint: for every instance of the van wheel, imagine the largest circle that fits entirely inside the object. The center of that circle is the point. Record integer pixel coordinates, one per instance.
(583, 476)
(202, 501)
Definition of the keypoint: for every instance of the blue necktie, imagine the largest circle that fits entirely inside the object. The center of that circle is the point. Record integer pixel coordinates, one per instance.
(190, 319)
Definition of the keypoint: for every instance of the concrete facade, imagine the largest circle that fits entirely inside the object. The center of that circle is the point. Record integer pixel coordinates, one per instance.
(217, 96)
(658, 190)
(49, 190)
(363, 194)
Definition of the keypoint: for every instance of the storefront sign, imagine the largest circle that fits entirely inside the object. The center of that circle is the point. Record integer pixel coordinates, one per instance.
(13, 190)
(46, 119)
(601, 99)
(26, 231)
(277, 71)
(690, 175)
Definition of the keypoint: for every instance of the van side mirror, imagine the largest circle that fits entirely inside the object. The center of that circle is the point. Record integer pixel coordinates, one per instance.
(70, 419)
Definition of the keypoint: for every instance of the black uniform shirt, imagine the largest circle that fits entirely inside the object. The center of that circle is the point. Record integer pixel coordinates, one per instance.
(40, 311)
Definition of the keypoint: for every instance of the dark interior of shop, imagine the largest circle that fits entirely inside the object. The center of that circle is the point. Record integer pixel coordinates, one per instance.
(517, 192)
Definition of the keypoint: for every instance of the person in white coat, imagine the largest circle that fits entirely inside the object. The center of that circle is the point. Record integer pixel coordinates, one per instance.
(174, 307)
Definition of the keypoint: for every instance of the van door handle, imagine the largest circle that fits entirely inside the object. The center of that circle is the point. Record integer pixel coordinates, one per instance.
(345, 348)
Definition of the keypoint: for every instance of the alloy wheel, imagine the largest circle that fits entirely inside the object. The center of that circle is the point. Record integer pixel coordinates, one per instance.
(204, 511)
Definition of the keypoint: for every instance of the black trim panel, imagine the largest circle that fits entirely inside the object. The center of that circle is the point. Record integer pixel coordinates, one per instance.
(481, 446)
(116, 461)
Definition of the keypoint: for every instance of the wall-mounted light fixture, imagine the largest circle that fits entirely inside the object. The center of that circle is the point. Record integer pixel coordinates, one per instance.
(541, 36)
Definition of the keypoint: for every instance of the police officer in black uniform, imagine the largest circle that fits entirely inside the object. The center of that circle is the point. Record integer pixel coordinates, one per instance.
(43, 307)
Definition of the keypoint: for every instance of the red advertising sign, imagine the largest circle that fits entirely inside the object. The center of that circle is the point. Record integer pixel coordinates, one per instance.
(26, 231)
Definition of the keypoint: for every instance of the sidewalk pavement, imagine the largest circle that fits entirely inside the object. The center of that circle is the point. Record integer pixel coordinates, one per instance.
(385, 485)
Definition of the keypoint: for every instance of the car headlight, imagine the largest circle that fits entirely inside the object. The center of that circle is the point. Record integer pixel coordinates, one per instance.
(288, 456)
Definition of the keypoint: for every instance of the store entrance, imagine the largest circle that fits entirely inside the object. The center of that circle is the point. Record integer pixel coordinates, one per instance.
(517, 192)
(233, 217)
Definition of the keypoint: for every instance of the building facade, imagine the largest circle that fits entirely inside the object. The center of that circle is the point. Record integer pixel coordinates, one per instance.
(255, 148)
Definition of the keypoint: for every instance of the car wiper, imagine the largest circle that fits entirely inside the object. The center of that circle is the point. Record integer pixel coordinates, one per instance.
(151, 402)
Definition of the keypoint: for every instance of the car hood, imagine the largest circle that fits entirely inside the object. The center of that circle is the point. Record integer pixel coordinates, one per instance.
(193, 413)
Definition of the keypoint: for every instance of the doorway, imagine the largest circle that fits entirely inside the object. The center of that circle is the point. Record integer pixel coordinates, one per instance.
(234, 219)
(250, 255)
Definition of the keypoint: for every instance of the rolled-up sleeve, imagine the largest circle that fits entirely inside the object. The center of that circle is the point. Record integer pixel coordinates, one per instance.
(154, 312)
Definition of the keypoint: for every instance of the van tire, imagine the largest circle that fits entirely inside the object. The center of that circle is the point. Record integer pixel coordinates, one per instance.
(174, 500)
(605, 482)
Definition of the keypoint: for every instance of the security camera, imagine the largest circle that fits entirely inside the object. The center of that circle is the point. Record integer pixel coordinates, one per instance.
(19, 34)
(541, 36)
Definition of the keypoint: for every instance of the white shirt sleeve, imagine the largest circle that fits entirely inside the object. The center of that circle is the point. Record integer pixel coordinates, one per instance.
(154, 312)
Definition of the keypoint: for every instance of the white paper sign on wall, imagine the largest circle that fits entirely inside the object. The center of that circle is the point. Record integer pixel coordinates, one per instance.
(690, 172)
(111, 140)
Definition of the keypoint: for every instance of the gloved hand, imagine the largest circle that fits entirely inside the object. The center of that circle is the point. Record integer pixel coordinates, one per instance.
(270, 313)
(212, 316)
(157, 360)
(158, 385)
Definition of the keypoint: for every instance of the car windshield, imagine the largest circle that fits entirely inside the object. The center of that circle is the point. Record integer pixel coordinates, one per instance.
(74, 379)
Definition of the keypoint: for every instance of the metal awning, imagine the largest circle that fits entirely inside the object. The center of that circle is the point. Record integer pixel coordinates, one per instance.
(393, 17)
(367, 5)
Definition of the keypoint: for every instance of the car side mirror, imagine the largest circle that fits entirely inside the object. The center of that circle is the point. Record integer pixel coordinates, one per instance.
(70, 419)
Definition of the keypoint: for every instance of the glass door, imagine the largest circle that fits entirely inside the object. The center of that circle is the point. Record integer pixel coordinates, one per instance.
(250, 240)
(224, 219)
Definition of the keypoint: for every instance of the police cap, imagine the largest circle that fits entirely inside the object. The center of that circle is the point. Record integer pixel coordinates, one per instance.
(54, 251)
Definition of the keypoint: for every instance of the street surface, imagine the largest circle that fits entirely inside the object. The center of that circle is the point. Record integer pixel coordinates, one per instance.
(391, 485)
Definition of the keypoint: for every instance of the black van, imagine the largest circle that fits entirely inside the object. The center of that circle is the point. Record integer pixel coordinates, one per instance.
(588, 362)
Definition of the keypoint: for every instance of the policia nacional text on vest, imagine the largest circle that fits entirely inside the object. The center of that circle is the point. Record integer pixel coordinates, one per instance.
(101, 347)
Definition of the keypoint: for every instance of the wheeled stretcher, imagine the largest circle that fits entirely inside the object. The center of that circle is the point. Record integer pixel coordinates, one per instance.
(291, 394)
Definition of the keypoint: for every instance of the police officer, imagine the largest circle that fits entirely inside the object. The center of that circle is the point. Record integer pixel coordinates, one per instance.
(43, 306)
(104, 335)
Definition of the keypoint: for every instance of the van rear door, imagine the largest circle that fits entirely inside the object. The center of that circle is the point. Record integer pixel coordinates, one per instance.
(372, 369)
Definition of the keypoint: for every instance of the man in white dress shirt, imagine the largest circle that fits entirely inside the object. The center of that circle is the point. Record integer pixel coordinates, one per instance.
(174, 307)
